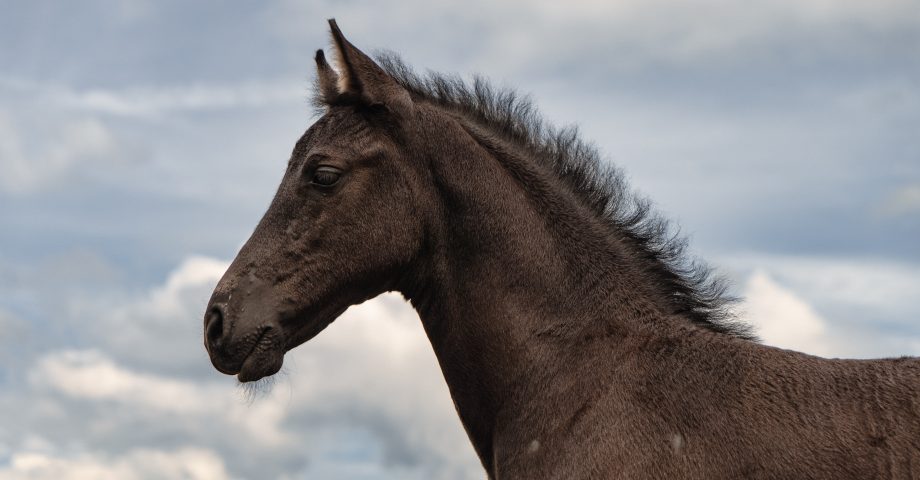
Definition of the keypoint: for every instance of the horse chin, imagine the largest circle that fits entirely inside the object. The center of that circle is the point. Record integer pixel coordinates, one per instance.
(267, 353)
(265, 356)
(261, 363)
(300, 334)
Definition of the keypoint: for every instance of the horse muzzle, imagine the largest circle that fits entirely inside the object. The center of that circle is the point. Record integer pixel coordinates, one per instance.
(246, 349)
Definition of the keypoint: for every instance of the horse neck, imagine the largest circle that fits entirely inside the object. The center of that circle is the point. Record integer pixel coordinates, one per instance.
(515, 275)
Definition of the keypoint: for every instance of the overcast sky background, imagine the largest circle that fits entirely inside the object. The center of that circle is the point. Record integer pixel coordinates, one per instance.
(140, 142)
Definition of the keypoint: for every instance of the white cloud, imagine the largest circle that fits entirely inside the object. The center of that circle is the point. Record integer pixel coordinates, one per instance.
(158, 100)
(93, 376)
(368, 384)
(66, 146)
(89, 374)
(884, 287)
(842, 307)
(186, 463)
(376, 362)
(148, 101)
(193, 272)
(783, 319)
(168, 315)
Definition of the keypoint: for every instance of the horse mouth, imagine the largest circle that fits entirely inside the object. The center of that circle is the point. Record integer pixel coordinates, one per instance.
(266, 353)
(260, 352)
(265, 357)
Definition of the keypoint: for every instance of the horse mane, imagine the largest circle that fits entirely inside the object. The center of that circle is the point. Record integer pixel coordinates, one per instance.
(692, 288)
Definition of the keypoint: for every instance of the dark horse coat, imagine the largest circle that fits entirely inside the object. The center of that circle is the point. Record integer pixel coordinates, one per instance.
(576, 341)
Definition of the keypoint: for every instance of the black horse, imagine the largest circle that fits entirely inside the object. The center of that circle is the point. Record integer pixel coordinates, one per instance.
(575, 339)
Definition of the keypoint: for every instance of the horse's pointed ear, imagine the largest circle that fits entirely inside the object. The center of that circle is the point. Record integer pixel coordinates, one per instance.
(326, 78)
(361, 78)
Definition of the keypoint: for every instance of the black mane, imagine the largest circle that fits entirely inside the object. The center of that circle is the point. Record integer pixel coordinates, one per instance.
(693, 290)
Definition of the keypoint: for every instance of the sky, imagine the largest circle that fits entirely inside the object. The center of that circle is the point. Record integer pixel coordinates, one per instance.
(141, 141)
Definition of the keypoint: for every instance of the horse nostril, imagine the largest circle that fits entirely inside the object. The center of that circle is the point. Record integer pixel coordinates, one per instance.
(214, 329)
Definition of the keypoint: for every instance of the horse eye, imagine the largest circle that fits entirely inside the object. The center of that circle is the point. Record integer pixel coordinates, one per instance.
(326, 176)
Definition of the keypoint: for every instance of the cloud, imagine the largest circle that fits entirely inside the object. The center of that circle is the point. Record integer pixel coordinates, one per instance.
(146, 101)
(364, 398)
(169, 314)
(842, 307)
(11, 327)
(782, 319)
(622, 35)
(132, 11)
(150, 101)
(375, 368)
(69, 145)
(92, 376)
(188, 463)
(903, 201)
(16, 341)
(862, 286)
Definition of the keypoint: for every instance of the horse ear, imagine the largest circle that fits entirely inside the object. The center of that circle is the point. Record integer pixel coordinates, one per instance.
(360, 77)
(326, 78)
